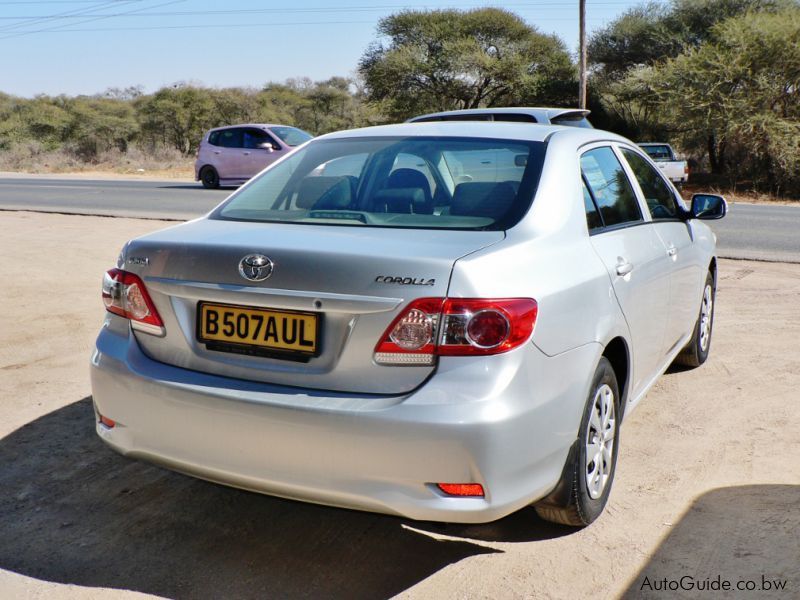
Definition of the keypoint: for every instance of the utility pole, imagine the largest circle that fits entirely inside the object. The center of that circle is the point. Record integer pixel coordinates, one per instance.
(582, 59)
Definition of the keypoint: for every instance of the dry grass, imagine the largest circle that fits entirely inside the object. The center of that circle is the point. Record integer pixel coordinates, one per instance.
(32, 157)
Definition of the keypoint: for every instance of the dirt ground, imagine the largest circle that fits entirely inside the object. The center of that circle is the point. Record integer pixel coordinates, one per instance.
(707, 488)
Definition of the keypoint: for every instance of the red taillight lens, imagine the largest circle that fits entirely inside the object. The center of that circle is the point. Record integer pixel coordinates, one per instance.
(474, 326)
(456, 327)
(125, 294)
(474, 490)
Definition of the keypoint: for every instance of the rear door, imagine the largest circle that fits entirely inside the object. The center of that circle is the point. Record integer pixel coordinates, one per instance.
(686, 271)
(229, 154)
(634, 255)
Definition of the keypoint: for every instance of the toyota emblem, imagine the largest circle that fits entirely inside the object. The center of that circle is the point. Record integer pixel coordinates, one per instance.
(255, 267)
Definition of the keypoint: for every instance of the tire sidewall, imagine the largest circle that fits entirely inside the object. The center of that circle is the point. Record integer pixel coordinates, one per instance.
(211, 182)
(702, 355)
(590, 508)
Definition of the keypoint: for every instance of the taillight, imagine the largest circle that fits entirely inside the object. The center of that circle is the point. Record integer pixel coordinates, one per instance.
(431, 327)
(125, 294)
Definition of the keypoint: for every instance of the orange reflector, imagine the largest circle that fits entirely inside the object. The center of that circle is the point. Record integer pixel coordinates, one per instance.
(462, 489)
(107, 422)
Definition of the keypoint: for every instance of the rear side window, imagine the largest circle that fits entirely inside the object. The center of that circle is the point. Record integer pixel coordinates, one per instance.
(658, 195)
(610, 188)
(593, 220)
(411, 182)
(213, 138)
(230, 138)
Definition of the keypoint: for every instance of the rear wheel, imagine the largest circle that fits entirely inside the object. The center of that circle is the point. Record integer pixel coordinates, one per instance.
(589, 472)
(209, 178)
(696, 351)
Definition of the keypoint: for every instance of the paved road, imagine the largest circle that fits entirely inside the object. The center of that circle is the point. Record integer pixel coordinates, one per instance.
(759, 231)
(152, 199)
(753, 231)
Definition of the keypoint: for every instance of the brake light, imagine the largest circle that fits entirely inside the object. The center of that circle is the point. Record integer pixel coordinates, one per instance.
(431, 327)
(125, 294)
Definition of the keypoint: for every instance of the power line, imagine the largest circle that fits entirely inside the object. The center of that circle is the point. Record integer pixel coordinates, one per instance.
(238, 25)
(97, 18)
(75, 12)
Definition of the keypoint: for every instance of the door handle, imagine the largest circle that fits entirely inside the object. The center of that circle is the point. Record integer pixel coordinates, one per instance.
(624, 267)
(217, 152)
(246, 153)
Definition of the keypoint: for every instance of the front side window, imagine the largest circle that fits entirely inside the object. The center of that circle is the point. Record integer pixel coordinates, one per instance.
(610, 188)
(658, 195)
(254, 138)
(463, 183)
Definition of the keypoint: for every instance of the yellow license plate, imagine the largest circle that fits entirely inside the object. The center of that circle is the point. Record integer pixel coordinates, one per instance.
(296, 332)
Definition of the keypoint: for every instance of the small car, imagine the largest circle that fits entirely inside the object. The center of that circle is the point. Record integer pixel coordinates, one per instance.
(443, 321)
(232, 155)
(573, 117)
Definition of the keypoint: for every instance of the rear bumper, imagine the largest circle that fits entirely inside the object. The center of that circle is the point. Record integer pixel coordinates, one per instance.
(506, 422)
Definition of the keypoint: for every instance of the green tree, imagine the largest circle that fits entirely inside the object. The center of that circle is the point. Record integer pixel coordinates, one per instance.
(449, 59)
(652, 32)
(738, 97)
(177, 116)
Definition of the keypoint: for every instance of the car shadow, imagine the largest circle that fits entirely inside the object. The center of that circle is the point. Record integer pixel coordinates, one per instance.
(748, 534)
(73, 511)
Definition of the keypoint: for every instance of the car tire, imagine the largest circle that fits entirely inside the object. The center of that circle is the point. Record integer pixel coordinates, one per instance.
(589, 472)
(209, 177)
(696, 351)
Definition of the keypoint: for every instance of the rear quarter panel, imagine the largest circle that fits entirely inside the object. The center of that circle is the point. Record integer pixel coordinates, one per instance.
(548, 256)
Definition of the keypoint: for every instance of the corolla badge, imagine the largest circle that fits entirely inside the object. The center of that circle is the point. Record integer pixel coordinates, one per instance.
(255, 267)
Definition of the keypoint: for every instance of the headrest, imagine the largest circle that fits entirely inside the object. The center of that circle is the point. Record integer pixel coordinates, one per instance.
(324, 192)
(402, 200)
(482, 199)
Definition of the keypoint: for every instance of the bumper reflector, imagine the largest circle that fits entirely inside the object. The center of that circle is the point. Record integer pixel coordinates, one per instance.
(474, 490)
(107, 422)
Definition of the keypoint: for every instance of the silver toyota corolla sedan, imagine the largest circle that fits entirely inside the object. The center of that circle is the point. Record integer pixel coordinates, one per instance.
(444, 321)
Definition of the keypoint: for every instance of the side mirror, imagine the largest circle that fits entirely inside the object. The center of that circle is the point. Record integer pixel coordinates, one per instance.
(708, 206)
(267, 146)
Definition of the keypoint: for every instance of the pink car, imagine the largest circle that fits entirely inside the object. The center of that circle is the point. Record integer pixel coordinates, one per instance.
(232, 155)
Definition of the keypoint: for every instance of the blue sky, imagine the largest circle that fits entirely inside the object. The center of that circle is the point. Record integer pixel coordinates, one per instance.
(86, 46)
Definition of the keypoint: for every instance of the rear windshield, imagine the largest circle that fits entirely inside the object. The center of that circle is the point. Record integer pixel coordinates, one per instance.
(426, 183)
(658, 152)
(291, 136)
(572, 120)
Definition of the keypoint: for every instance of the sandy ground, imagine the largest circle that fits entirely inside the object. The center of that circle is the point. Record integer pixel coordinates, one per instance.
(708, 483)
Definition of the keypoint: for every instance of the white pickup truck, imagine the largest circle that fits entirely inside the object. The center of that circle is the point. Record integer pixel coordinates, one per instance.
(664, 157)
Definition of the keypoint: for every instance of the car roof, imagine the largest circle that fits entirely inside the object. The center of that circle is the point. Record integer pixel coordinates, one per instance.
(256, 125)
(478, 129)
(541, 114)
